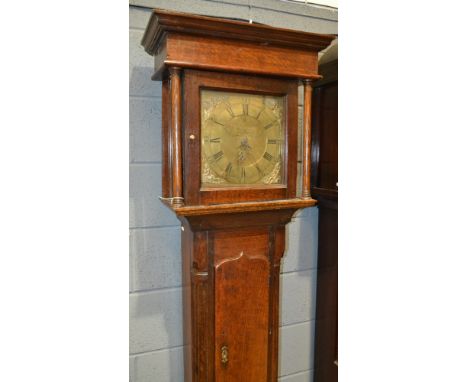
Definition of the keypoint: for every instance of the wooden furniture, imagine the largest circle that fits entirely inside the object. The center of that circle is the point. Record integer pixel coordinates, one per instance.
(325, 190)
(229, 171)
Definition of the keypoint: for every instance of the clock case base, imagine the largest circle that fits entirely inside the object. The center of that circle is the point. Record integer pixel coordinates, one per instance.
(231, 269)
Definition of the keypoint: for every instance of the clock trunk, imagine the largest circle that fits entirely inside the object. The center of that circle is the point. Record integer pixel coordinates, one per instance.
(231, 287)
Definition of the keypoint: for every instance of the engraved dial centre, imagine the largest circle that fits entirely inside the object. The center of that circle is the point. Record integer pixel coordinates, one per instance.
(243, 138)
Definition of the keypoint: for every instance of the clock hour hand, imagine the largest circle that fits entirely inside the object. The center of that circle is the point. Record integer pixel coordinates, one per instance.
(244, 149)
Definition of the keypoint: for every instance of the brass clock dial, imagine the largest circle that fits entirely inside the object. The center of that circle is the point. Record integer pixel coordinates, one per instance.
(243, 138)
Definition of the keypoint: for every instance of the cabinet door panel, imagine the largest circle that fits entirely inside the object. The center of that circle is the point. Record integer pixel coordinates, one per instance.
(241, 278)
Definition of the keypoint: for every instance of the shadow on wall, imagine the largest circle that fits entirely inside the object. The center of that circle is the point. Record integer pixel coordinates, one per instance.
(298, 293)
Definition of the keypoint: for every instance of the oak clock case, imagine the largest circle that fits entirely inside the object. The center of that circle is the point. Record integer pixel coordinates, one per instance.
(229, 173)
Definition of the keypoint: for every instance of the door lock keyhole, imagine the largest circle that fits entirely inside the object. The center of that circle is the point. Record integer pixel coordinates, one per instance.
(224, 355)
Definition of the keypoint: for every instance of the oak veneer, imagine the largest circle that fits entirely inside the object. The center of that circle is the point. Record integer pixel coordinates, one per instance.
(183, 40)
(176, 136)
(307, 138)
(231, 268)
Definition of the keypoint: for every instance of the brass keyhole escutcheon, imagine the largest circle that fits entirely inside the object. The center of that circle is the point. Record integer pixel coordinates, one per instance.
(224, 355)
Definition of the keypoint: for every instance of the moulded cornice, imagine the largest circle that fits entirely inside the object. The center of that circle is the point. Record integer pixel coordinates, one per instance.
(162, 22)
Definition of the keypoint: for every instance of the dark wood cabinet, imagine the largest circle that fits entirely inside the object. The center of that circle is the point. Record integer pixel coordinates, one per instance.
(325, 132)
(325, 190)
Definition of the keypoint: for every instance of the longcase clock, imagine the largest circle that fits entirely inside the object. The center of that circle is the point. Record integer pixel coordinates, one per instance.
(230, 154)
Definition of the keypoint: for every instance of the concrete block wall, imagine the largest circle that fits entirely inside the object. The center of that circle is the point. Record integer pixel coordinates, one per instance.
(156, 340)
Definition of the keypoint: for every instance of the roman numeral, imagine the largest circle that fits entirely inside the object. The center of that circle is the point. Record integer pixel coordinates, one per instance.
(228, 169)
(243, 175)
(272, 141)
(215, 140)
(268, 156)
(260, 112)
(216, 157)
(245, 108)
(269, 125)
(213, 120)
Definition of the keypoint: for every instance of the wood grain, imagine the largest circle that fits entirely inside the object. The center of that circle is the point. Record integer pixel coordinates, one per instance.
(176, 136)
(166, 140)
(307, 138)
(229, 208)
(213, 53)
(242, 273)
(277, 240)
(198, 42)
(231, 266)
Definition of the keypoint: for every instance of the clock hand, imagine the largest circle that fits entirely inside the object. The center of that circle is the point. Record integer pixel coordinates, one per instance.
(229, 130)
(244, 149)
